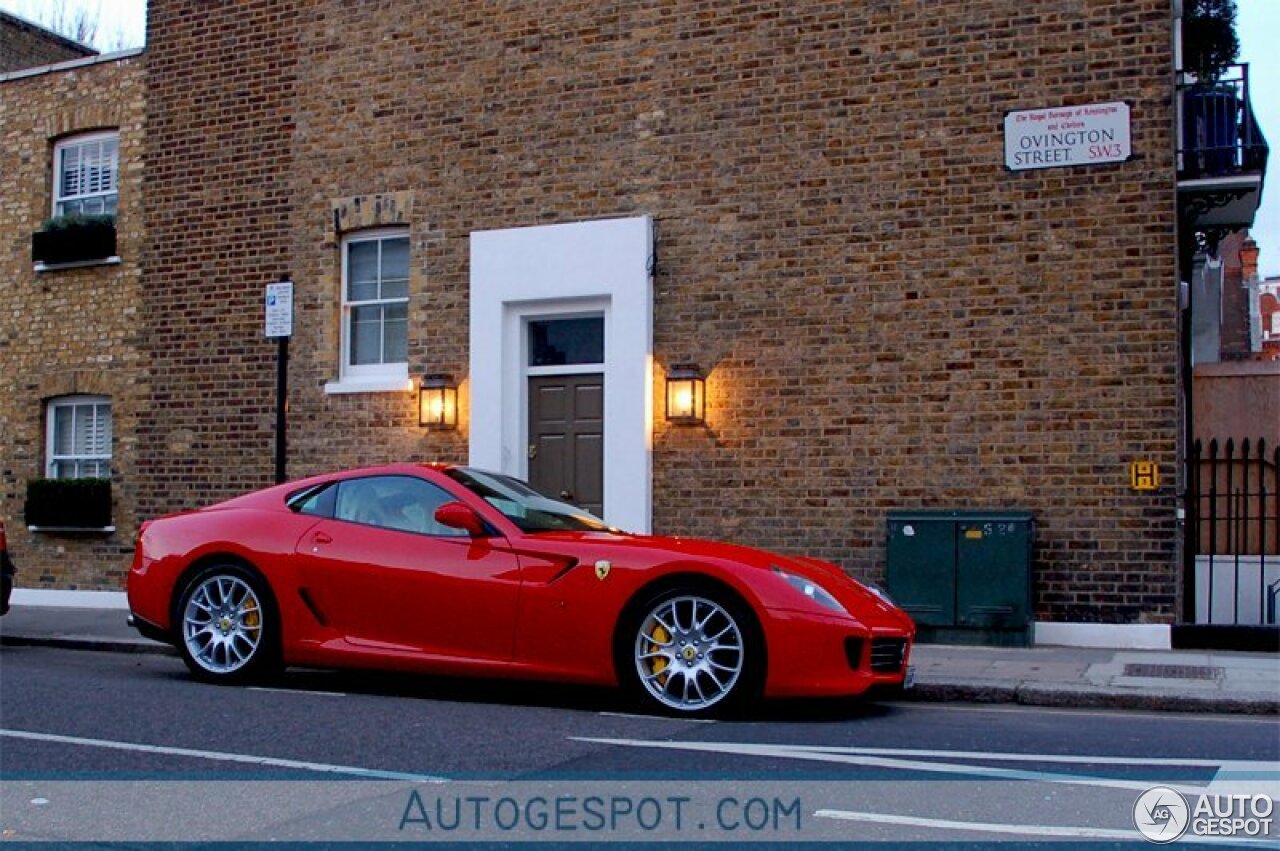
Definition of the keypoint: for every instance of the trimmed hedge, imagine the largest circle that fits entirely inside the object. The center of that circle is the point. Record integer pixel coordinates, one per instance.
(74, 239)
(69, 503)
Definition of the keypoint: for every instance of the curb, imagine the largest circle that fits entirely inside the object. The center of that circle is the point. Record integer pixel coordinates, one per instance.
(945, 691)
(71, 642)
(1075, 697)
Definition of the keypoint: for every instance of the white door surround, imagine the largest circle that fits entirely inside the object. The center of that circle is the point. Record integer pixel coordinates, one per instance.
(597, 268)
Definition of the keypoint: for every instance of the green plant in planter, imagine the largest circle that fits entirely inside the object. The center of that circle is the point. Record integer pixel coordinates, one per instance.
(73, 221)
(1209, 42)
(74, 238)
(69, 503)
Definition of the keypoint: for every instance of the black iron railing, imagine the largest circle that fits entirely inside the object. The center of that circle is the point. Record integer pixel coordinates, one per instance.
(1233, 507)
(1220, 136)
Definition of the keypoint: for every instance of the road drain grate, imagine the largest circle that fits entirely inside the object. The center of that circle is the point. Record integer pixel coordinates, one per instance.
(1174, 672)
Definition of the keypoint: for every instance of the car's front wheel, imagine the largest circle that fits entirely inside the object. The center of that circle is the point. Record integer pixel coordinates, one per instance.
(228, 628)
(693, 651)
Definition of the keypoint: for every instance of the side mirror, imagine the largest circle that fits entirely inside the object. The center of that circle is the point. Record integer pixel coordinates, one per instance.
(455, 515)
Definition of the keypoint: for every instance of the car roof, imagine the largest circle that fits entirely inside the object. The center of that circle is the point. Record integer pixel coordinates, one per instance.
(273, 494)
(394, 468)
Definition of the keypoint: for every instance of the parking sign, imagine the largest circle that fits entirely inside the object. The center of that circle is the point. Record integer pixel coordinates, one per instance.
(280, 309)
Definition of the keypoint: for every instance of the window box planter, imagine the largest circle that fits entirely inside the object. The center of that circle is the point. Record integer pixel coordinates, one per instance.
(69, 505)
(73, 240)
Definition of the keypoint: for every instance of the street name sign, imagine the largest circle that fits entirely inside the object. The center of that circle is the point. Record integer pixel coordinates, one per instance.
(1088, 134)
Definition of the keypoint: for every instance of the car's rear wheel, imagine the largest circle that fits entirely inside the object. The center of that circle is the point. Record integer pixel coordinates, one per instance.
(228, 627)
(693, 651)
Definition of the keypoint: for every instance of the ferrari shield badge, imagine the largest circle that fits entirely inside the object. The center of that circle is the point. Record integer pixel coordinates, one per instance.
(602, 569)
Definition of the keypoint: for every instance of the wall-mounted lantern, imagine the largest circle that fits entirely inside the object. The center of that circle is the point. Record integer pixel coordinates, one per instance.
(686, 395)
(438, 402)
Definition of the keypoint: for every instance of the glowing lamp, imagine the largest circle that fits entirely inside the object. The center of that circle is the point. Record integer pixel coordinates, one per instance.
(438, 402)
(686, 395)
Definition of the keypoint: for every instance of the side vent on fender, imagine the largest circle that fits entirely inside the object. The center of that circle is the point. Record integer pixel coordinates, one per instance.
(312, 607)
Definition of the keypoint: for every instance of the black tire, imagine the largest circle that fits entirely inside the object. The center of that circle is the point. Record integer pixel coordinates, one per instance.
(226, 625)
(713, 668)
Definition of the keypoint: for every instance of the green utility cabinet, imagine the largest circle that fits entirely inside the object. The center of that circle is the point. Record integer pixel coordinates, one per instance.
(963, 576)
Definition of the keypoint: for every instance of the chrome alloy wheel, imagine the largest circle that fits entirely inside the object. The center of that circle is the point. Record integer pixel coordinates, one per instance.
(689, 653)
(222, 624)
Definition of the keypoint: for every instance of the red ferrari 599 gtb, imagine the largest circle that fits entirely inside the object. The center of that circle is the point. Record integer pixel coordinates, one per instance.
(452, 570)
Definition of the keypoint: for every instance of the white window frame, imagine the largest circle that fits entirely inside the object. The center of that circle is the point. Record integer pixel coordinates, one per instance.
(60, 149)
(367, 378)
(52, 459)
(538, 313)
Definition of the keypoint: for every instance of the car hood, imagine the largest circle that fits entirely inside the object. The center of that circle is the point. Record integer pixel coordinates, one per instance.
(658, 549)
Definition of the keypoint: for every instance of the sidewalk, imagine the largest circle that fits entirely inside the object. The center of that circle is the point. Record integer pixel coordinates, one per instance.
(1170, 680)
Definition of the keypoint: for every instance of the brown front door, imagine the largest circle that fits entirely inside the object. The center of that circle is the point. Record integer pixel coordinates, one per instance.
(566, 438)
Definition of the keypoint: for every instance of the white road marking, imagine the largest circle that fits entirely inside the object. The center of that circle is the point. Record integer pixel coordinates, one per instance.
(218, 756)
(800, 753)
(927, 761)
(273, 690)
(658, 717)
(982, 827)
(1069, 759)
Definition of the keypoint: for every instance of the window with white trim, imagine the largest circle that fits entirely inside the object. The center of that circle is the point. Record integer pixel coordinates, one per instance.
(79, 437)
(375, 306)
(85, 172)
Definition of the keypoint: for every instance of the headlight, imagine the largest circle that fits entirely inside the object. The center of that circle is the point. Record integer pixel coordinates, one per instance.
(812, 590)
(879, 592)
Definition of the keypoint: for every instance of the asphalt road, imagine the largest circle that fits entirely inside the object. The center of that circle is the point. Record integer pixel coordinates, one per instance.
(124, 747)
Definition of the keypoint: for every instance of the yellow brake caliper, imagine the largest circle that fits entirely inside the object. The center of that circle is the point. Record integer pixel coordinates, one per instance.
(250, 619)
(659, 663)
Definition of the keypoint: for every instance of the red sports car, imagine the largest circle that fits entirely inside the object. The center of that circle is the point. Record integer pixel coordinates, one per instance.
(452, 570)
(6, 573)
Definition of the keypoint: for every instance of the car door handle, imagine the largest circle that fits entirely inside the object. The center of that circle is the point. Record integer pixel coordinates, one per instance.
(319, 538)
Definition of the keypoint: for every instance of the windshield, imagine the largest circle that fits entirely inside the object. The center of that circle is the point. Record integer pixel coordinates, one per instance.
(524, 506)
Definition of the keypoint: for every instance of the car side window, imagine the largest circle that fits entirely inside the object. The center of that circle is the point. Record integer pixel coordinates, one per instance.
(317, 502)
(403, 503)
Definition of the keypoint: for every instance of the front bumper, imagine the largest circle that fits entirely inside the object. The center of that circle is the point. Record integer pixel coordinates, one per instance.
(6, 580)
(811, 656)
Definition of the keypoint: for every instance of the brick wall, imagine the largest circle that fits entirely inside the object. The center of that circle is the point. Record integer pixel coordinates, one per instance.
(1233, 312)
(1237, 400)
(219, 192)
(889, 317)
(25, 45)
(1269, 310)
(70, 331)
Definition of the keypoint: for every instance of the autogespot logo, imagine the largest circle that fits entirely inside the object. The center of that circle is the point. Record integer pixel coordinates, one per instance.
(1161, 814)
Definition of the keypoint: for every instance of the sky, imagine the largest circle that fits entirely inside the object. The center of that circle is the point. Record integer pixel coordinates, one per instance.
(1258, 26)
(122, 24)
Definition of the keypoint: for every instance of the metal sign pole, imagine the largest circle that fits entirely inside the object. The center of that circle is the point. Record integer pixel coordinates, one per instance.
(282, 405)
(279, 316)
